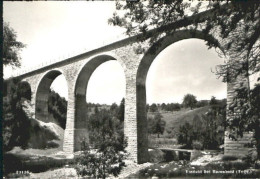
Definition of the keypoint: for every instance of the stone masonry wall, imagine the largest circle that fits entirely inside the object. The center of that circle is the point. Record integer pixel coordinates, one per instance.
(238, 148)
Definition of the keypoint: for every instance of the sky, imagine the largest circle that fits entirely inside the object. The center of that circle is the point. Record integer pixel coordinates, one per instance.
(52, 30)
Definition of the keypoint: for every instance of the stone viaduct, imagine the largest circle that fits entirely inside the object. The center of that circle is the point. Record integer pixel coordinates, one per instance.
(77, 71)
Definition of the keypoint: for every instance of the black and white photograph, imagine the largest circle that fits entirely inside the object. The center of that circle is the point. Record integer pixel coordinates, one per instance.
(131, 89)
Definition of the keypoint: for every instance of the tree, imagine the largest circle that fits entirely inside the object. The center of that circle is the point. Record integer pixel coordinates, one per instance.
(189, 100)
(107, 136)
(213, 101)
(11, 47)
(202, 103)
(121, 110)
(147, 107)
(185, 135)
(57, 106)
(103, 124)
(248, 118)
(114, 109)
(15, 122)
(153, 108)
(156, 125)
(163, 106)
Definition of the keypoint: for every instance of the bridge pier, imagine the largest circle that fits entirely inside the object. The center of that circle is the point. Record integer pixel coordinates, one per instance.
(238, 148)
(68, 143)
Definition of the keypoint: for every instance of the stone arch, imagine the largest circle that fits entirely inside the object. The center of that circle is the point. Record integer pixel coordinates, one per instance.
(142, 72)
(42, 94)
(80, 92)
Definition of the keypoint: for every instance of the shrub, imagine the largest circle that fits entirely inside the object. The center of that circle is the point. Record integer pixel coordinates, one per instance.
(197, 145)
(109, 142)
(100, 164)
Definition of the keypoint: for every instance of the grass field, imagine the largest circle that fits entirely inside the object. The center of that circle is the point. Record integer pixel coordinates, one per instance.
(173, 121)
(177, 118)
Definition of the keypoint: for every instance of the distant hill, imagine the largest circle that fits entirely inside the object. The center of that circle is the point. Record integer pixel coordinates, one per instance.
(177, 118)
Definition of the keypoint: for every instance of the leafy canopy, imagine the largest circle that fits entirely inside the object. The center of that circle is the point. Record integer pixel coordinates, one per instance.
(11, 47)
(234, 24)
(189, 100)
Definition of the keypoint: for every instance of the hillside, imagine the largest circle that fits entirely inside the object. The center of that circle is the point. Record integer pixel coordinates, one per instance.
(177, 118)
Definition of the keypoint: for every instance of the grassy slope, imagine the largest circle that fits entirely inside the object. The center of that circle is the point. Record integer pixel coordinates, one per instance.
(177, 118)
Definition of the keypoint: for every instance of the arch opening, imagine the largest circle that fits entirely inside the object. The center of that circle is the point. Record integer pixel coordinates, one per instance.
(48, 98)
(145, 64)
(94, 90)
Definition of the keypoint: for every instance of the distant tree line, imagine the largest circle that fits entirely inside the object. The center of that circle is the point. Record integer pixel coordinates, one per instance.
(57, 107)
(189, 101)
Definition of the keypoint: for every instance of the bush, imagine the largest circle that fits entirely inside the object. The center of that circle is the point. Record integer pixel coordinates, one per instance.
(156, 156)
(100, 164)
(251, 157)
(197, 145)
(207, 129)
(106, 133)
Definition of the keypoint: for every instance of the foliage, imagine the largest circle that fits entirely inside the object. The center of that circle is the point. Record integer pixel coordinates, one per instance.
(197, 145)
(213, 101)
(236, 23)
(106, 134)
(153, 108)
(156, 125)
(114, 108)
(207, 129)
(118, 111)
(121, 110)
(11, 46)
(248, 118)
(15, 122)
(147, 107)
(189, 100)
(57, 106)
(185, 134)
(106, 130)
(100, 164)
(179, 169)
(138, 17)
(154, 142)
(170, 107)
(202, 103)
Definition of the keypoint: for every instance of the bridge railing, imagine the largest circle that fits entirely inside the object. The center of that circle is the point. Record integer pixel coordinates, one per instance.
(47, 62)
